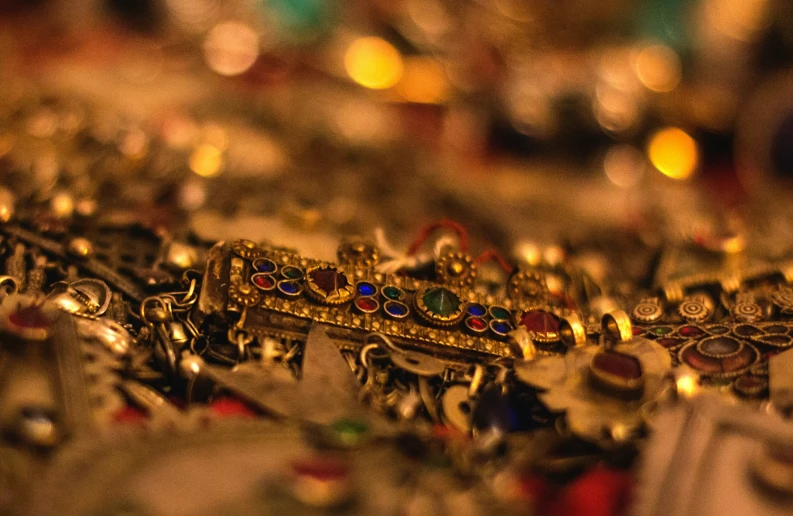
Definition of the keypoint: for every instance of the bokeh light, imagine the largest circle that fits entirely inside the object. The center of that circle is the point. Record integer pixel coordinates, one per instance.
(423, 81)
(658, 68)
(624, 165)
(373, 63)
(206, 160)
(674, 153)
(231, 48)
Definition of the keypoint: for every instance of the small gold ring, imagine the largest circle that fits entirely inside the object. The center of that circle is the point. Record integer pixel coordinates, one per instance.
(572, 331)
(617, 326)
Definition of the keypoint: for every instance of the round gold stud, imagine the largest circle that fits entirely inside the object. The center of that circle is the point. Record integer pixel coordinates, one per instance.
(80, 247)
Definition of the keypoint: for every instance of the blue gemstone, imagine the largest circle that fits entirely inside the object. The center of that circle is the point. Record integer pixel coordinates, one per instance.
(501, 327)
(366, 289)
(289, 287)
(264, 265)
(476, 310)
(395, 309)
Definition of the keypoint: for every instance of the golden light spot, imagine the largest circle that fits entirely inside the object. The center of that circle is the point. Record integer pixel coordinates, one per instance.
(373, 63)
(62, 205)
(674, 153)
(231, 48)
(658, 68)
(423, 81)
(687, 385)
(206, 160)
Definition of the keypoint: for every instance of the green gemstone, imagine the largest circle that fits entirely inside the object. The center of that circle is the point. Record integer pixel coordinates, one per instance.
(441, 302)
(392, 292)
(349, 432)
(662, 330)
(292, 272)
(500, 313)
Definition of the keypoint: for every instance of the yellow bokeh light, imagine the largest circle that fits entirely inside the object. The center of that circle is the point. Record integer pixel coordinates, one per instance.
(374, 63)
(658, 68)
(206, 160)
(687, 386)
(674, 153)
(423, 81)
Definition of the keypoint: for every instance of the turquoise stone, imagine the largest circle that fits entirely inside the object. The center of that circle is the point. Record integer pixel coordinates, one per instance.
(441, 302)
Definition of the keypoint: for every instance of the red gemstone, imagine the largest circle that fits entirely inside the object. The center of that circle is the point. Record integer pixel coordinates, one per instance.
(366, 304)
(670, 342)
(477, 324)
(618, 364)
(325, 470)
(540, 322)
(265, 282)
(30, 317)
(329, 280)
(691, 331)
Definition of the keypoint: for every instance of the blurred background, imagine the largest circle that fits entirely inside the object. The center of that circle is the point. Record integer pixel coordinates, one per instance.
(297, 121)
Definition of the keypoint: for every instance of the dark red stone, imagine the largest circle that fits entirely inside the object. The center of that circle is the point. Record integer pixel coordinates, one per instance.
(329, 280)
(477, 323)
(366, 304)
(540, 322)
(670, 342)
(326, 470)
(265, 282)
(746, 330)
(775, 340)
(690, 331)
(776, 328)
(30, 317)
(618, 364)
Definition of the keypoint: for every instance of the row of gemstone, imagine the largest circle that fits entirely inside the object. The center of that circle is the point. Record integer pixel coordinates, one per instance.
(287, 280)
(478, 318)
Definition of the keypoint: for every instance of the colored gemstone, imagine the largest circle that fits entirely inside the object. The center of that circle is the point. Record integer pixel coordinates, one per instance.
(367, 304)
(476, 309)
(290, 272)
(719, 346)
(329, 280)
(321, 469)
(662, 330)
(264, 265)
(288, 287)
(747, 330)
(540, 322)
(396, 309)
(499, 312)
(670, 342)
(264, 281)
(30, 317)
(500, 327)
(637, 331)
(349, 431)
(618, 364)
(718, 330)
(441, 301)
(691, 331)
(392, 292)
(775, 340)
(477, 324)
(775, 328)
(366, 289)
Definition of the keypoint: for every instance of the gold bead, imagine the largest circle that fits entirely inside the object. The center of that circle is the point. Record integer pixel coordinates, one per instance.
(6, 204)
(80, 247)
(456, 268)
